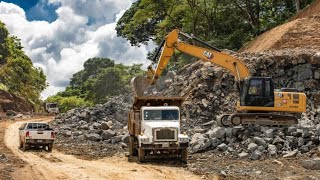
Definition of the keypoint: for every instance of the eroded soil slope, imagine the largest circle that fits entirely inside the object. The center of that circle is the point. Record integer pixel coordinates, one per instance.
(301, 32)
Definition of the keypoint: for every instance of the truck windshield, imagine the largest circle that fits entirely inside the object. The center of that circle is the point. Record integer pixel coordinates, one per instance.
(52, 105)
(38, 126)
(161, 115)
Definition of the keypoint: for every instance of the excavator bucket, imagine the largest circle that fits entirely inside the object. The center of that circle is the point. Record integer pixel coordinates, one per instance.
(139, 84)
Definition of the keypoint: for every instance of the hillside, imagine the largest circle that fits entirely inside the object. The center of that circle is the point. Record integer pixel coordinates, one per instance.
(302, 31)
(12, 102)
(20, 82)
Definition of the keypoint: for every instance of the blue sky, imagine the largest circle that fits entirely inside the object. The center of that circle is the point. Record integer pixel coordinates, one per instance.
(60, 35)
(37, 9)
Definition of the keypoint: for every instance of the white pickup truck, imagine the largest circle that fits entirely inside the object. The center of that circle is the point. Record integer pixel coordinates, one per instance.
(36, 134)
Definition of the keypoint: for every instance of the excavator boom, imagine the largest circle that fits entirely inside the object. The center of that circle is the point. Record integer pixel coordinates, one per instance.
(211, 54)
(172, 43)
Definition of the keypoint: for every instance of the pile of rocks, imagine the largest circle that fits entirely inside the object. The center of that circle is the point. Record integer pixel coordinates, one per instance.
(255, 141)
(211, 90)
(102, 126)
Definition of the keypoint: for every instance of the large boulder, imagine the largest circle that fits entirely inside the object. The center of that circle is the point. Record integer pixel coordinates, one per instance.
(313, 164)
(217, 132)
(105, 126)
(92, 137)
(85, 114)
(108, 134)
(260, 142)
(256, 155)
(252, 147)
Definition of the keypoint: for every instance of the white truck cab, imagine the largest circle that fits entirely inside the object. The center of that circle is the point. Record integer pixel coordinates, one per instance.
(161, 125)
(155, 128)
(52, 108)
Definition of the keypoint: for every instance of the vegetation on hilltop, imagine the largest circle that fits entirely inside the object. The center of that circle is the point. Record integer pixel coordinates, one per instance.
(227, 24)
(17, 73)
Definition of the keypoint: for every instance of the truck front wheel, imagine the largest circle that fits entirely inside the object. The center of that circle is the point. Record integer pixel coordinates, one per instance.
(184, 155)
(141, 155)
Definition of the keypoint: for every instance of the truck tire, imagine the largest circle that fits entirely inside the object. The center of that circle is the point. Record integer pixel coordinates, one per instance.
(132, 147)
(20, 144)
(184, 155)
(141, 155)
(25, 146)
(50, 147)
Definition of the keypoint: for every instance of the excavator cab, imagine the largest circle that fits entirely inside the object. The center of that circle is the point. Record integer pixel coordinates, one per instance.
(257, 91)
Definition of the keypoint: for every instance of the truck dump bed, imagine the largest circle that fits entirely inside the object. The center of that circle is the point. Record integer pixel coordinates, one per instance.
(156, 101)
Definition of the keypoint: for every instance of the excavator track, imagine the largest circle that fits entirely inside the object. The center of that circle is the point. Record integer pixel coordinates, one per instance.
(269, 119)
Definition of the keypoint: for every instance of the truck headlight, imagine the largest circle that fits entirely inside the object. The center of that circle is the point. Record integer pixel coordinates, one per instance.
(183, 139)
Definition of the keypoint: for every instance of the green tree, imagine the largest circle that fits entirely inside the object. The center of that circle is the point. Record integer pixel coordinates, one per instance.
(17, 73)
(100, 80)
(225, 24)
(109, 83)
(67, 103)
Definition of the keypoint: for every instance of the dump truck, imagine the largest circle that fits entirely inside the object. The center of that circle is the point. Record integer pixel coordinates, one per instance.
(155, 128)
(52, 108)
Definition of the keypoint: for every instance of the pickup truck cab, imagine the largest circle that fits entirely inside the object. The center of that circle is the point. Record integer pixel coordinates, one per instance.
(36, 134)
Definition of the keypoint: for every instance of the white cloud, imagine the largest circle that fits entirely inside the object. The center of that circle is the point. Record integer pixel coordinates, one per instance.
(83, 29)
(9, 8)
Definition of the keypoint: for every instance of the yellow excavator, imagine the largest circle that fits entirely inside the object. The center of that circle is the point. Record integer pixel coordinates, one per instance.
(259, 102)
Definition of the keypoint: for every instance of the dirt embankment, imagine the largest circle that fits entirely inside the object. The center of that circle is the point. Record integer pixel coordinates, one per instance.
(10, 101)
(302, 31)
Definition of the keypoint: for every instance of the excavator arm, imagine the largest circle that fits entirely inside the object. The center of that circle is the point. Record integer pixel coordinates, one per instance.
(213, 55)
(172, 43)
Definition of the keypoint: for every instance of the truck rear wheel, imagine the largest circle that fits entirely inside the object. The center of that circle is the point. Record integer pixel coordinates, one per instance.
(20, 144)
(132, 147)
(50, 147)
(184, 155)
(25, 146)
(141, 155)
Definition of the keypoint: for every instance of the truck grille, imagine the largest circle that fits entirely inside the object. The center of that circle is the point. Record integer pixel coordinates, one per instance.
(165, 134)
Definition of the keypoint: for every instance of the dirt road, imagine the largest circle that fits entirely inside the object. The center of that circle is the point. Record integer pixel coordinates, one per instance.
(57, 165)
